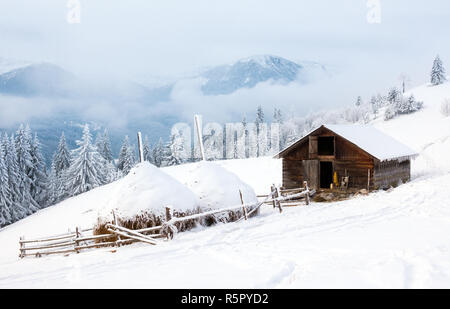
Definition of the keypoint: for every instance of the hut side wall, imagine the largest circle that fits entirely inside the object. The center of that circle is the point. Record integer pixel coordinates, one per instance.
(391, 173)
(293, 174)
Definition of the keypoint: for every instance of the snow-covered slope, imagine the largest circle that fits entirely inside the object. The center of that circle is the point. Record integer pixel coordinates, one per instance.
(427, 131)
(389, 239)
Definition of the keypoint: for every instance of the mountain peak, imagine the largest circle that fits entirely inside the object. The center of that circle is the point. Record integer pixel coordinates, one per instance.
(248, 72)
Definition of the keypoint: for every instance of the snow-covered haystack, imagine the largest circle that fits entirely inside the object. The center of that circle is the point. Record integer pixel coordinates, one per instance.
(215, 187)
(140, 198)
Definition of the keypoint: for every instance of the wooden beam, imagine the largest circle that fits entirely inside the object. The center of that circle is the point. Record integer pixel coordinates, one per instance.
(132, 236)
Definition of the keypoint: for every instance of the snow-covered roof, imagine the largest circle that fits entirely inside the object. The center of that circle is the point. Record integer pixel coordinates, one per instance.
(374, 142)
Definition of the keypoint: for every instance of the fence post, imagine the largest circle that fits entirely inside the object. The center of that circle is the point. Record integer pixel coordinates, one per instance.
(169, 213)
(279, 202)
(22, 250)
(77, 235)
(115, 223)
(243, 206)
(305, 185)
(273, 194)
(168, 229)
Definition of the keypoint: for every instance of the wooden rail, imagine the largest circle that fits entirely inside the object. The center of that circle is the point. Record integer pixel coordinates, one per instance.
(83, 239)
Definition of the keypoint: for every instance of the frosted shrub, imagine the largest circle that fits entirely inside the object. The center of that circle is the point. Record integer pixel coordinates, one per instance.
(389, 113)
(445, 108)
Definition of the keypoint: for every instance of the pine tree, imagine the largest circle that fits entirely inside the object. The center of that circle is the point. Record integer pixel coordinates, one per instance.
(172, 152)
(126, 157)
(103, 145)
(54, 185)
(147, 151)
(158, 153)
(61, 158)
(37, 174)
(374, 104)
(394, 96)
(99, 143)
(277, 116)
(58, 173)
(438, 72)
(86, 169)
(244, 126)
(23, 143)
(259, 117)
(17, 210)
(123, 153)
(5, 193)
(359, 101)
(259, 122)
(107, 152)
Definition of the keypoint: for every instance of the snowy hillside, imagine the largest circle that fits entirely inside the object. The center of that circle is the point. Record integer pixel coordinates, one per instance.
(391, 239)
(427, 132)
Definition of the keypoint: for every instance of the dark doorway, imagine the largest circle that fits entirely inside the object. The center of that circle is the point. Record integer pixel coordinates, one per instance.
(326, 146)
(326, 174)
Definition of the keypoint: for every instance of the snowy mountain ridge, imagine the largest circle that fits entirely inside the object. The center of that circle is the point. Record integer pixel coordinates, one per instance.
(248, 72)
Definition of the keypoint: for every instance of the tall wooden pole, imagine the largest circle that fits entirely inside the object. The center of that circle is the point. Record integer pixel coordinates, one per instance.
(141, 151)
(198, 129)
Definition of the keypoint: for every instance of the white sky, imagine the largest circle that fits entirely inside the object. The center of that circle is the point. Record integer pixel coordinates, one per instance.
(140, 39)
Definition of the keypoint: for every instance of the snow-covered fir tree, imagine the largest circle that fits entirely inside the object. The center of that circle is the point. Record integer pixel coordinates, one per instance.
(99, 143)
(86, 169)
(37, 174)
(374, 104)
(18, 209)
(147, 152)
(104, 146)
(58, 173)
(277, 116)
(394, 96)
(126, 157)
(359, 101)
(158, 153)
(23, 144)
(61, 158)
(244, 126)
(5, 193)
(445, 108)
(259, 122)
(173, 151)
(438, 75)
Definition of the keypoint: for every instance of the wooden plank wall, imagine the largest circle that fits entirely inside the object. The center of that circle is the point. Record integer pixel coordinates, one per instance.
(293, 169)
(391, 173)
(293, 174)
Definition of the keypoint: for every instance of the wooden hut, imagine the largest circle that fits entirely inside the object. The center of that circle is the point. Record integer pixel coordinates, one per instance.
(362, 155)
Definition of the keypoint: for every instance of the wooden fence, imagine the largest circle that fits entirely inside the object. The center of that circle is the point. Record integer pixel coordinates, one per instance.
(82, 239)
